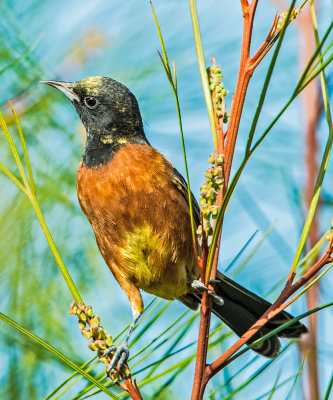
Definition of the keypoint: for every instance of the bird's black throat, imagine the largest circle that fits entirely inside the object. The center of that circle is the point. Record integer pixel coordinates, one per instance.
(100, 149)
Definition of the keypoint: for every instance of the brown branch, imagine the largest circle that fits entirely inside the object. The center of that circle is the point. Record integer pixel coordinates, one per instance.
(205, 316)
(226, 145)
(131, 389)
(273, 310)
(200, 361)
(267, 41)
(244, 76)
(245, 5)
(256, 62)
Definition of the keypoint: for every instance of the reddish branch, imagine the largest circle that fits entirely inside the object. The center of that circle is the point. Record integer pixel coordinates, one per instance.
(226, 143)
(131, 389)
(205, 313)
(279, 305)
(246, 69)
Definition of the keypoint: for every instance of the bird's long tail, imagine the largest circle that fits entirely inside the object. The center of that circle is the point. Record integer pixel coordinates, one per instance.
(242, 308)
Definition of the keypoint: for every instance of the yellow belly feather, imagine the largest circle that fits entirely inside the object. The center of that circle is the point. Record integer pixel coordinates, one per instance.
(151, 262)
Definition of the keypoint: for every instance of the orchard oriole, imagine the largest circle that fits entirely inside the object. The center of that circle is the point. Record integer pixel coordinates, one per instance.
(138, 206)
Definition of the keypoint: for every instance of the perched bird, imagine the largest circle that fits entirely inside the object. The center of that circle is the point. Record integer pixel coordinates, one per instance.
(138, 207)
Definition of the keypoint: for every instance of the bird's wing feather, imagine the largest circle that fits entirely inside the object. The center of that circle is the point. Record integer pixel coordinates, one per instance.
(182, 187)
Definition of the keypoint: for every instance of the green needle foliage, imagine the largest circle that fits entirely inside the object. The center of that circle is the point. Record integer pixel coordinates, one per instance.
(57, 353)
(28, 188)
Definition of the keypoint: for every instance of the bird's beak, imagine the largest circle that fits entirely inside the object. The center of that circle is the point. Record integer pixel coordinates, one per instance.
(65, 87)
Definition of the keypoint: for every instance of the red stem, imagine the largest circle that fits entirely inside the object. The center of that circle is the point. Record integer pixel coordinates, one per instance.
(131, 389)
(226, 142)
(273, 310)
(244, 76)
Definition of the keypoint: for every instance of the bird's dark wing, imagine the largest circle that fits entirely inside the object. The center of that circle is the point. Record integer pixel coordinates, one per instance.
(181, 185)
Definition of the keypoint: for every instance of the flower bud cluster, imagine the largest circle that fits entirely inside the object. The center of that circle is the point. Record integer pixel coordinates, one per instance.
(218, 91)
(282, 18)
(209, 191)
(89, 324)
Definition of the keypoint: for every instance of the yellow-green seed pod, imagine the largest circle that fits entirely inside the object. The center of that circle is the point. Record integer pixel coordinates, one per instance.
(209, 173)
(73, 308)
(211, 194)
(218, 171)
(87, 333)
(220, 158)
(82, 324)
(214, 210)
(94, 331)
(205, 210)
(203, 191)
(81, 305)
(219, 182)
(82, 316)
(100, 333)
(210, 184)
(92, 346)
(211, 159)
(94, 322)
(103, 360)
(89, 311)
(108, 340)
(100, 344)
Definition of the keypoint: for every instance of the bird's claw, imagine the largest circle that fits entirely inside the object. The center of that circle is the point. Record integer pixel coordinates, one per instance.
(119, 358)
(198, 285)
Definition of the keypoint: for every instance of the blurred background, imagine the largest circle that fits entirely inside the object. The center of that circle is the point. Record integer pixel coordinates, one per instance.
(62, 40)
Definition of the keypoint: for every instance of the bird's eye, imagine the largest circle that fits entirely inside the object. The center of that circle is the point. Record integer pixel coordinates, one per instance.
(91, 102)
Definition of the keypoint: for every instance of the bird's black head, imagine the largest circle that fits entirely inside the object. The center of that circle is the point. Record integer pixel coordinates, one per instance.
(109, 112)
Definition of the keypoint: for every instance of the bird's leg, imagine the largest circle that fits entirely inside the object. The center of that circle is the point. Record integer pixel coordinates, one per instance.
(200, 287)
(121, 352)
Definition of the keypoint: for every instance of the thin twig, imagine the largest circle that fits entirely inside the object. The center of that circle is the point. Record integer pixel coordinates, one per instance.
(278, 306)
(267, 40)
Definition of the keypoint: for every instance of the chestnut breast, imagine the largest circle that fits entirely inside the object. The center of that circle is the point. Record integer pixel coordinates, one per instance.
(140, 219)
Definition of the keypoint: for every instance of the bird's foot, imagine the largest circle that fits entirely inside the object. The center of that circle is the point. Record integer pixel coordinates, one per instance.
(199, 286)
(119, 358)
